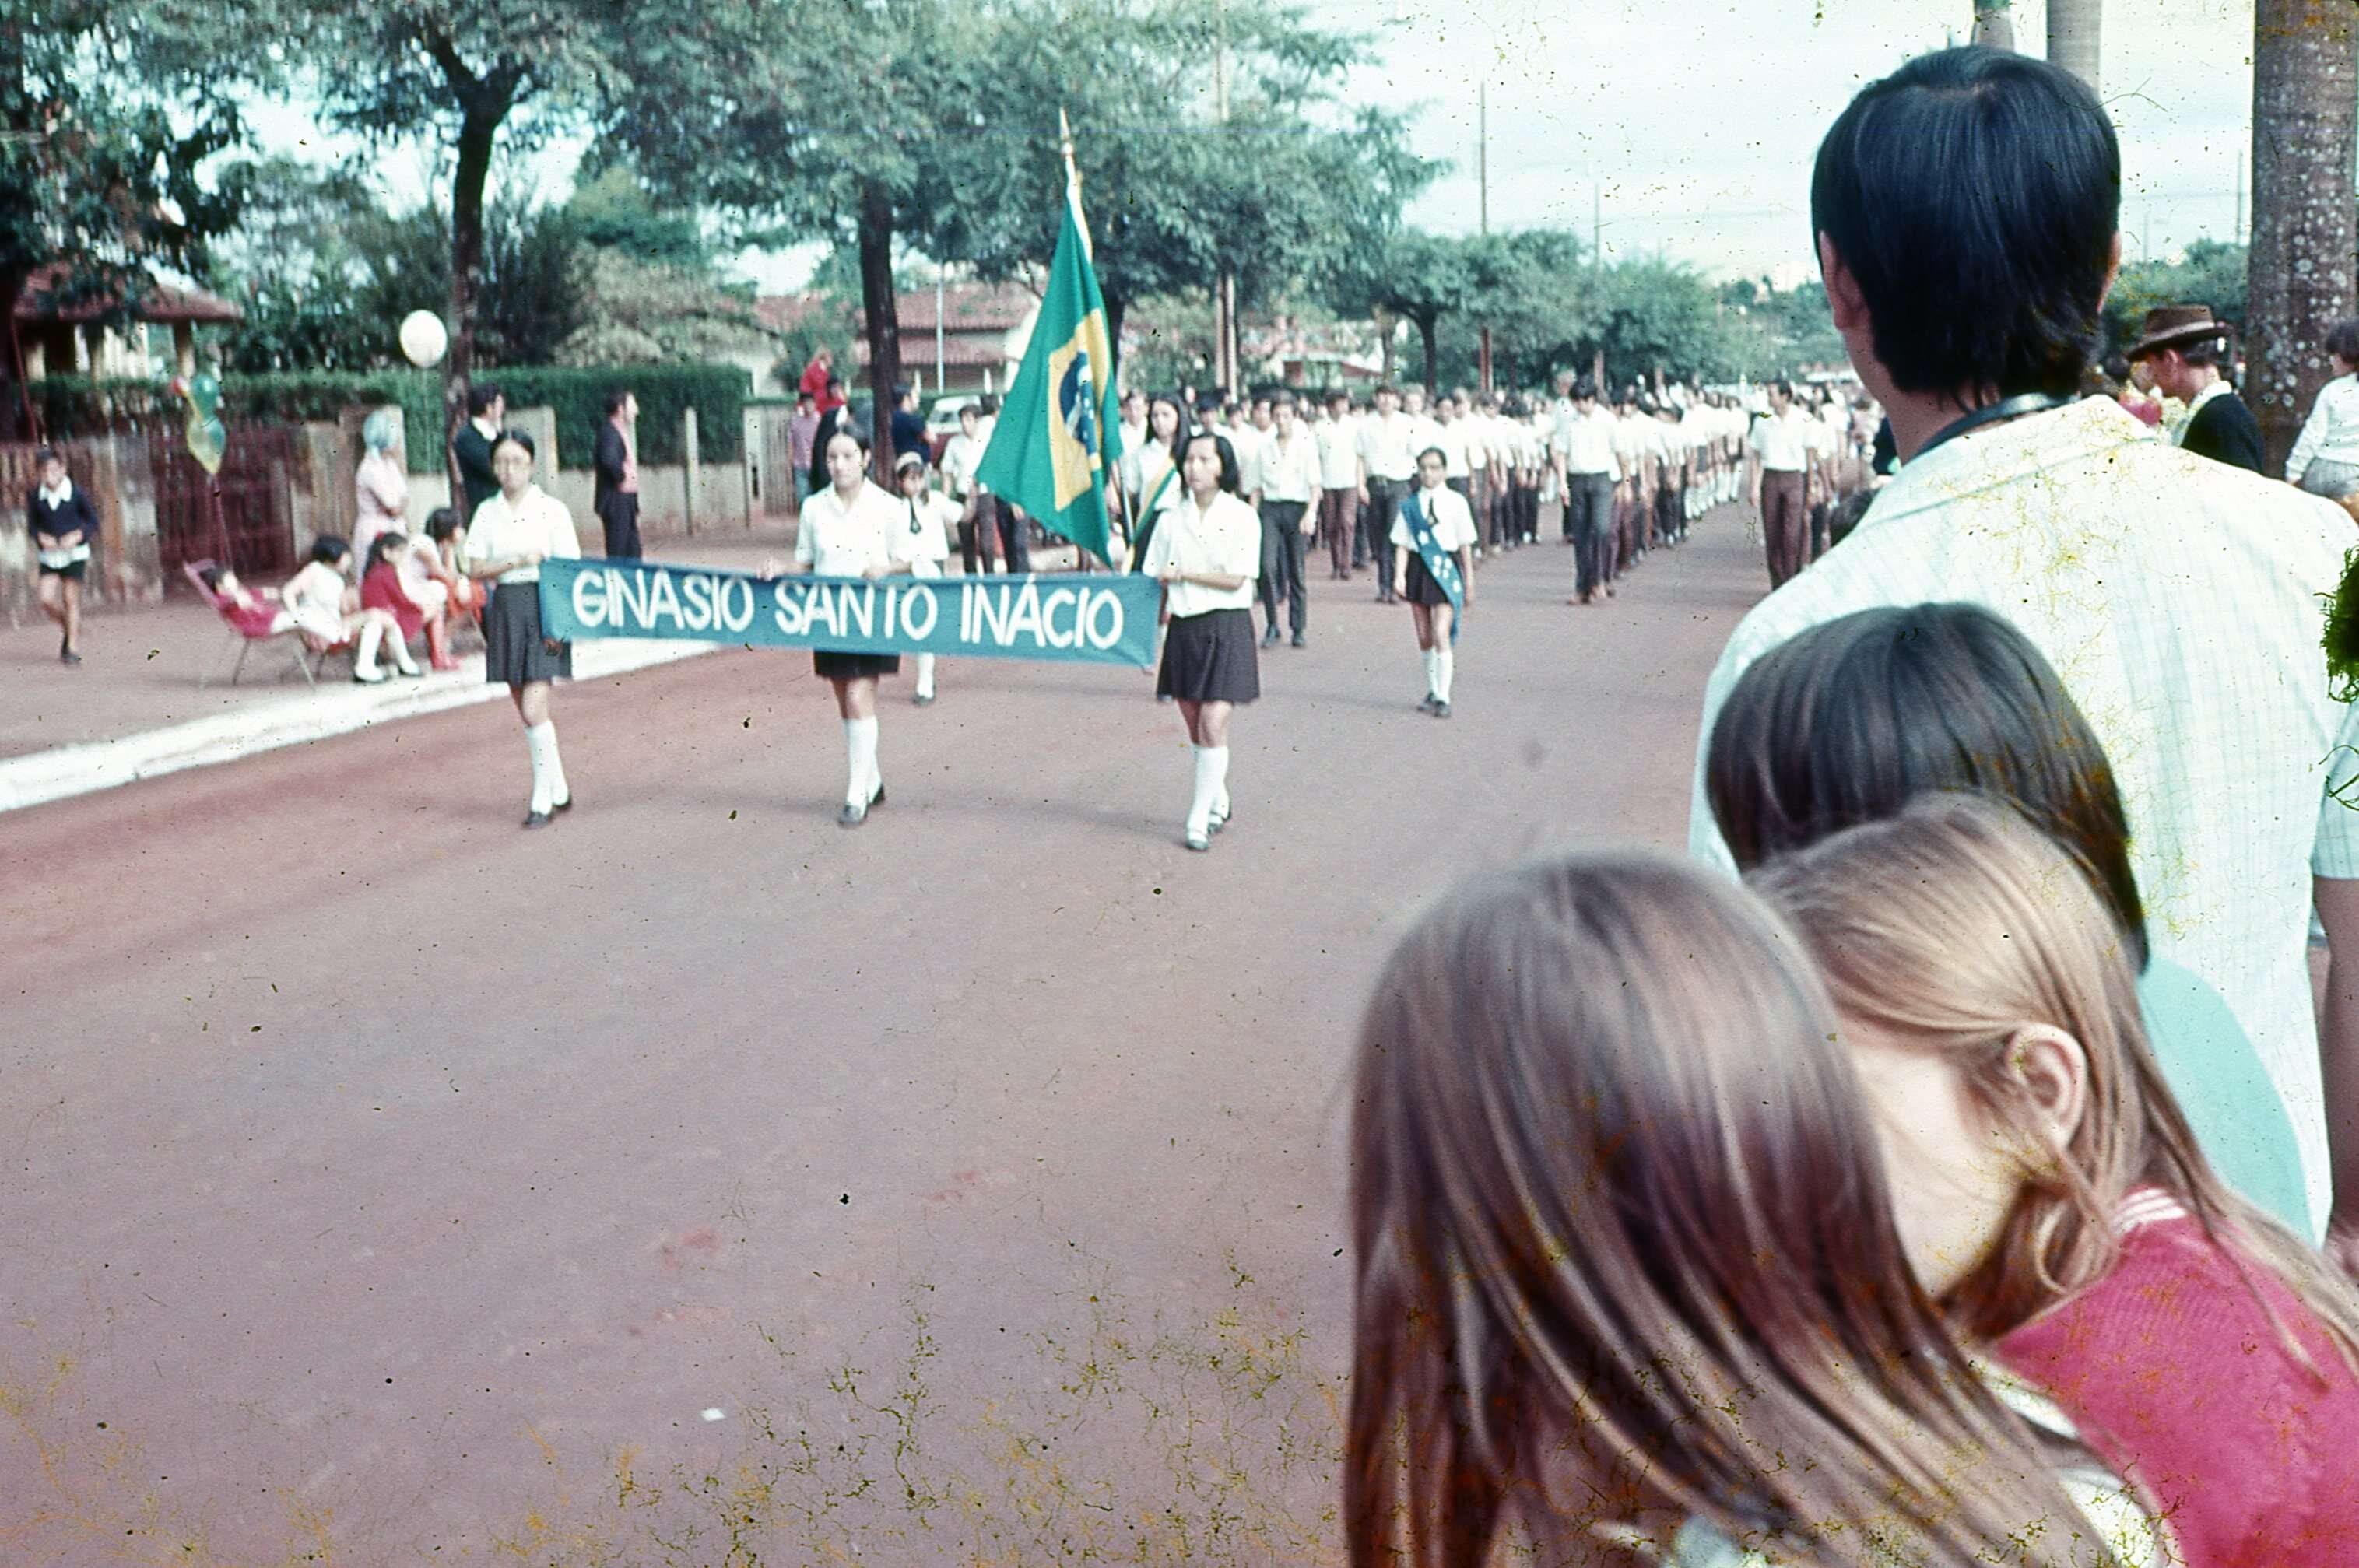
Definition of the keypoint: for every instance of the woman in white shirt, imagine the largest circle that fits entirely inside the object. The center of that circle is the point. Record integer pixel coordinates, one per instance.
(1206, 552)
(1442, 513)
(846, 531)
(511, 533)
(921, 541)
(2325, 460)
(1160, 488)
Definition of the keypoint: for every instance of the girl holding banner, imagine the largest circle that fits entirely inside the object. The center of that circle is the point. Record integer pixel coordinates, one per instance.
(846, 530)
(1433, 535)
(511, 533)
(921, 541)
(1206, 552)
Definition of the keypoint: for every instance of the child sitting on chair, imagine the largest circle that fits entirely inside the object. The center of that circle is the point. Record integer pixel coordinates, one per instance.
(255, 613)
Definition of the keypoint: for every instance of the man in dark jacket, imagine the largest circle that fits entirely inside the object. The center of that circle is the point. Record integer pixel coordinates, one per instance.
(615, 492)
(471, 446)
(2182, 348)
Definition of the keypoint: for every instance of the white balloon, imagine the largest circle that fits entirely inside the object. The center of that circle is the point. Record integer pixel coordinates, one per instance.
(423, 337)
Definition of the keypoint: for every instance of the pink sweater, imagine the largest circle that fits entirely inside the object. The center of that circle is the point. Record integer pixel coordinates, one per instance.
(2175, 1375)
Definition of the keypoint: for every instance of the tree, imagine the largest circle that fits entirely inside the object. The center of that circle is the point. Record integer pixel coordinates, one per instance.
(834, 119)
(1418, 277)
(2213, 273)
(2074, 28)
(106, 117)
(471, 72)
(2305, 139)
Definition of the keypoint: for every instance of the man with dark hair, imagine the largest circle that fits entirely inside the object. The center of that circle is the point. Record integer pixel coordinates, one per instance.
(1586, 475)
(615, 491)
(1965, 211)
(909, 437)
(2183, 349)
(471, 446)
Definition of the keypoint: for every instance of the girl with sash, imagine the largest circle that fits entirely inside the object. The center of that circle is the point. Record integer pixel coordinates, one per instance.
(1433, 535)
(1160, 487)
(1207, 555)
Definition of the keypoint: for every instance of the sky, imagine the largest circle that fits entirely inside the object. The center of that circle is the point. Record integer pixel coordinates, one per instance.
(1688, 127)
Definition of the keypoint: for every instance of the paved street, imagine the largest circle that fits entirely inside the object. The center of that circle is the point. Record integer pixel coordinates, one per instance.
(698, 1178)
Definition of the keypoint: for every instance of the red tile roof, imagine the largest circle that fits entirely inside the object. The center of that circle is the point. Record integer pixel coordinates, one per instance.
(163, 302)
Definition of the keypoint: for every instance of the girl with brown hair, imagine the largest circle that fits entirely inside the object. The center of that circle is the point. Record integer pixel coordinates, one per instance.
(2050, 1194)
(1627, 1277)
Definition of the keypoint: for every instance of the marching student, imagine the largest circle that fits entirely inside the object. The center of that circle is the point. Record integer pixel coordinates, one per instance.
(509, 536)
(1206, 552)
(1288, 483)
(978, 545)
(1160, 487)
(1433, 532)
(1340, 480)
(846, 531)
(921, 542)
(1388, 468)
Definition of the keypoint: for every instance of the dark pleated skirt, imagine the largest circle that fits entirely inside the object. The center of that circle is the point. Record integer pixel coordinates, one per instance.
(1210, 658)
(514, 650)
(829, 664)
(1422, 589)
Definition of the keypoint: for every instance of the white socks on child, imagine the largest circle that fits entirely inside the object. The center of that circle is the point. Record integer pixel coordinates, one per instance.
(1212, 789)
(364, 658)
(1432, 672)
(860, 759)
(548, 786)
(1442, 659)
(925, 675)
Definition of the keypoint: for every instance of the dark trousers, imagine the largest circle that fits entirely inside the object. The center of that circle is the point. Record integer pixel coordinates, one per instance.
(618, 515)
(1014, 544)
(1669, 503)
(1338, 516)
(1528, 513)
(1785, 523)
(1281, 562)
(977, 548)
(1383, 503)
(1589, 523)
(1819, 516)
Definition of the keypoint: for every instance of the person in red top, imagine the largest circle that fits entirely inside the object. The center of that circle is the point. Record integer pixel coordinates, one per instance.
(2050, 1196)
(819, 383)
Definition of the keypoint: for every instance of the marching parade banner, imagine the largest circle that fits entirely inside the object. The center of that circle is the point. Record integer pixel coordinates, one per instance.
(1073, 616)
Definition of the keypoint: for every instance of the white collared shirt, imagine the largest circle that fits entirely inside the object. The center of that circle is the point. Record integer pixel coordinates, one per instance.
(1219, 540)
(1784, 443)
(2330, 434)
(1339, 452)
(1385, 451)
(2180, 601)
(1289, 470)
(1446, 513)
(836, 539)
(538, 524)
(55, 498)
(921, 532)
(1585, 441)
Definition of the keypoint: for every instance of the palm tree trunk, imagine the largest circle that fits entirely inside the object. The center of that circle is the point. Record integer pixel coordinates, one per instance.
(1994, 24)
(2074, 27)
(2305, 226)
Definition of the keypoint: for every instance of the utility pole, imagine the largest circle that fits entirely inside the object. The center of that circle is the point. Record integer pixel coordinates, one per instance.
(2236, 234)
(1224, 286)
(1483, 185)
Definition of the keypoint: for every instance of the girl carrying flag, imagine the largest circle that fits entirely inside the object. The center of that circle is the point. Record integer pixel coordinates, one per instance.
(1433, 538)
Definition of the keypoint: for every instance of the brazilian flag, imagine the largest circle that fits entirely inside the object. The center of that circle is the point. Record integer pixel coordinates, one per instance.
(1058, 435)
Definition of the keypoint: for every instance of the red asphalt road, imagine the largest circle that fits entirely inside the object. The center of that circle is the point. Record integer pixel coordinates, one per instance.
(385, 1181)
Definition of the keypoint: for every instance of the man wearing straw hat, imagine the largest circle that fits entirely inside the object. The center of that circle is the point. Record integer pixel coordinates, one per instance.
(2182, 348)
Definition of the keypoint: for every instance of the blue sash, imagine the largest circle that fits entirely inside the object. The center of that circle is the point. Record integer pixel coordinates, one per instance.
(1440, 564)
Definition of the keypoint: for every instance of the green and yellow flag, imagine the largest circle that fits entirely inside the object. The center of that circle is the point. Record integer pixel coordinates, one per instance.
(1058, 435)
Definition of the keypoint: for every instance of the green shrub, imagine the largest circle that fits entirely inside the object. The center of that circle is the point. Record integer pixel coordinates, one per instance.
(74, 406)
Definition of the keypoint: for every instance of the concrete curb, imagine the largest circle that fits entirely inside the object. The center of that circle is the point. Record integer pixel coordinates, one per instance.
(66, 771)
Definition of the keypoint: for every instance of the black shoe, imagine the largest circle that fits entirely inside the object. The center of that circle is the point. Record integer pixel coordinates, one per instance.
(1269, 638)
(878, 798)
(1301, 641)
(1442, 710)
(69, 658)
(923, 700)
(852, 816)
(1426, 703)
(536, 820)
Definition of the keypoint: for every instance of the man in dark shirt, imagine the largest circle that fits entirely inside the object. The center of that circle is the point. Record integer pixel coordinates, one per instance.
(2182, 348)
(471, 446)
(615, 492)
(909, 428)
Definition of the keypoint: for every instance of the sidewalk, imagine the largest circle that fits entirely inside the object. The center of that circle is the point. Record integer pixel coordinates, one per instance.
(133, 709)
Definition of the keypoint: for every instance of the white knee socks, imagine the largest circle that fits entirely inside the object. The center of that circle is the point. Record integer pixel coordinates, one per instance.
(548, 786)
(859, 758)
(1212, 788)
(364, 658)
(1443, 659)
(1432, 672)
(925, 675)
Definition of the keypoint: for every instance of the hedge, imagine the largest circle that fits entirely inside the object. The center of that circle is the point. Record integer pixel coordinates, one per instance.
(74, 406)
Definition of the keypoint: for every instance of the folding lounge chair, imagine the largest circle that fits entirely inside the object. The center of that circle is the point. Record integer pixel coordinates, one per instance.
(248, 627)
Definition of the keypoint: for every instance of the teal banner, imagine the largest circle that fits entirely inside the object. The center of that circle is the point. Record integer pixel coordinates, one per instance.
(1101, 618)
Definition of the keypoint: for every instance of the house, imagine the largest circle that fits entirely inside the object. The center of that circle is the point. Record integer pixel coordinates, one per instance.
(79, 339)
(960, 337)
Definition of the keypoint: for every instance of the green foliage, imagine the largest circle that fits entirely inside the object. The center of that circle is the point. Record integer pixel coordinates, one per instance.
(2212, 273)
(301, 395)
(638, 313)
(717, 393)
